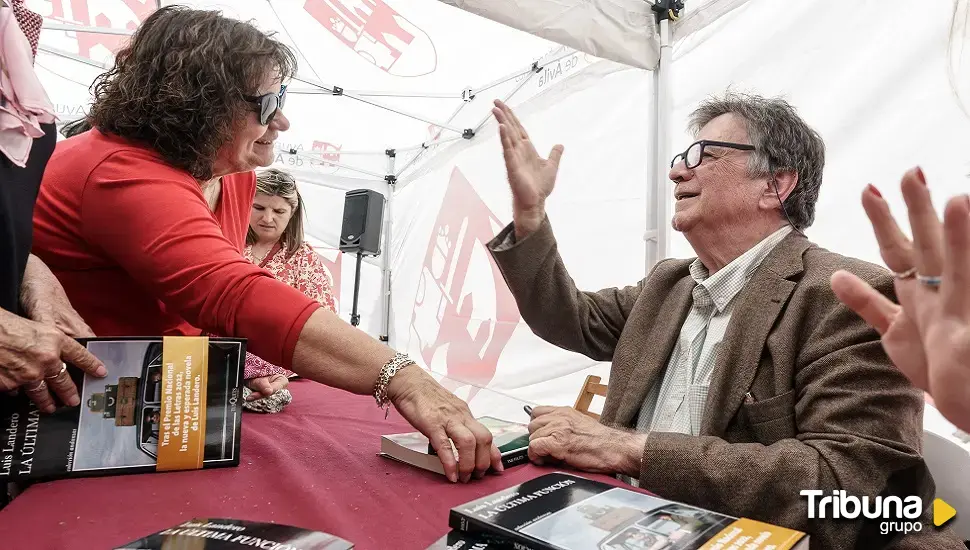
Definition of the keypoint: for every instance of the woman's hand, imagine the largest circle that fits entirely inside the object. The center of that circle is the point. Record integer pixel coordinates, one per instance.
(927, 335)
(439, 415)
(32, 357)
(265, 386)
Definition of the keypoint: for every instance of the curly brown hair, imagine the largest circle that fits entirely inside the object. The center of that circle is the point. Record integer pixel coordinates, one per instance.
(180, 84)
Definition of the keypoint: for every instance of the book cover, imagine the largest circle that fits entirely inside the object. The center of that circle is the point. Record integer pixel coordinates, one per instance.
(167, 403)
(232, 534)
(414, 448)
(566, 512)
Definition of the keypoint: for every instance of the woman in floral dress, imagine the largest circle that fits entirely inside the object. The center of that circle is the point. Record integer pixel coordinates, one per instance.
(276, 243)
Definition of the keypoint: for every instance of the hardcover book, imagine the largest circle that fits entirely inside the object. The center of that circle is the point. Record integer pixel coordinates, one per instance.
(167, 403)
(414, 448)
(232, 534)
(566, 512)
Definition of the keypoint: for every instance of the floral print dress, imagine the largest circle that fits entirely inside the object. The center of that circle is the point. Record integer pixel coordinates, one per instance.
(304, 271)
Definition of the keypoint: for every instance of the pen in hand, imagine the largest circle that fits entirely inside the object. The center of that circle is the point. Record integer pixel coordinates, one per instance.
(528, 410)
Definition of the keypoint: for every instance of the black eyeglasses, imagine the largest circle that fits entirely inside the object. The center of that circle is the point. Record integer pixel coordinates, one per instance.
(695, 153)
(268, 104)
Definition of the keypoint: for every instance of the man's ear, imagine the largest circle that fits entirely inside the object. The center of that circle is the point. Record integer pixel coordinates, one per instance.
(786, 181)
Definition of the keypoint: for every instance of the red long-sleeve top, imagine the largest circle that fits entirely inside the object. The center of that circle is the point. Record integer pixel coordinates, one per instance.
(139, 252)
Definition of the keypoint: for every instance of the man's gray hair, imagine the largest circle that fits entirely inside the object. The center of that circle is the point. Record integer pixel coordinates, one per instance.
(783, 142)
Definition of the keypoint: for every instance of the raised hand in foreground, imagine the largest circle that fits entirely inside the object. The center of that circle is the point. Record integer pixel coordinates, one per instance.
(927, 335)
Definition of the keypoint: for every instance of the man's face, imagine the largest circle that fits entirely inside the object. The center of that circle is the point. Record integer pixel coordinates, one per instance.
(718, 193)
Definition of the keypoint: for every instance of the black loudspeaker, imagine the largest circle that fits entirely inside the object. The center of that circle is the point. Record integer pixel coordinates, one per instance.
(363, 216)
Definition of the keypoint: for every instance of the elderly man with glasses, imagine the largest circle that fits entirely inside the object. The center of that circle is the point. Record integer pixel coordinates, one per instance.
(738, 379)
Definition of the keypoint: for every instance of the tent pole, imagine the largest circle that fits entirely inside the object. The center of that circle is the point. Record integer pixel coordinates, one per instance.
(388, 223)
(658, 238)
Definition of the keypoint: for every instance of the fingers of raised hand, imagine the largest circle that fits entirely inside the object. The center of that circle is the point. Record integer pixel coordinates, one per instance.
(874, 308)
(513, 120)
(905, 346)
(956, 269)
(518, 137)
(555, 155)
(894, 247)
(508, 147)
(925, 224)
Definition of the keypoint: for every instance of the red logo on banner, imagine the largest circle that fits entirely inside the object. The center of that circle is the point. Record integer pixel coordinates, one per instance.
(112, 14)
(470, 326)
(434, 132)
(378, 34)
(328, 152)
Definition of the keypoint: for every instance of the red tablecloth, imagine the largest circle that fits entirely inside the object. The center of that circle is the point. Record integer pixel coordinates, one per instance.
(315, 465)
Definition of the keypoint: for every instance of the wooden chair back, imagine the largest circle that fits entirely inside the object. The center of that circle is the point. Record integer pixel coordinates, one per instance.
(591, 387)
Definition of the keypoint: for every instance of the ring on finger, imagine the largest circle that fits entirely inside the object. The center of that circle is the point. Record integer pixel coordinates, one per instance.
(60, 372)
(40, 386)
(932, 281)
(908, 274)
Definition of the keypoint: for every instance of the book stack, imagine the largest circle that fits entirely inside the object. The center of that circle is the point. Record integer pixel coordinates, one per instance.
(561, 511)
(512, 440)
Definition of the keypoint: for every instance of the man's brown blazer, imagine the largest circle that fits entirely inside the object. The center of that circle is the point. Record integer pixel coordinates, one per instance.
(829, 411)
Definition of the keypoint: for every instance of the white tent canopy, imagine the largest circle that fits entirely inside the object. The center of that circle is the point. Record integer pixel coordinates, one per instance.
(625, 31)
(418, 77)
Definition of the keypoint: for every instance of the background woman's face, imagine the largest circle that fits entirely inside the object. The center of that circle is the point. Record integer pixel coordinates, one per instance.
(270, 217)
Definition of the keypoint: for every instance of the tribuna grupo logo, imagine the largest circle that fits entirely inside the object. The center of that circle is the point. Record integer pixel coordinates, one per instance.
(898, 515)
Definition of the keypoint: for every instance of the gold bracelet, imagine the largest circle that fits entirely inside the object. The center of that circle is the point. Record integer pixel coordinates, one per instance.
(392, 367)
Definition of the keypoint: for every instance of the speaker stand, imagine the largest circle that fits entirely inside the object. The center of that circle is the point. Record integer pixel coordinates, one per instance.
(354, 316)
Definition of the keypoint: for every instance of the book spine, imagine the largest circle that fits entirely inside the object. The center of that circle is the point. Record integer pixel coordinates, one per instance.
(490, 532)
(518, 457)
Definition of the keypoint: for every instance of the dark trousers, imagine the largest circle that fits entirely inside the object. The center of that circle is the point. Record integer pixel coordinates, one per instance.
(18, 191)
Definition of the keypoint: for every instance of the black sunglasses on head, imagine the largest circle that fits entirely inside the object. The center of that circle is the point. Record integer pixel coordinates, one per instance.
(695, 153)
(268, 104)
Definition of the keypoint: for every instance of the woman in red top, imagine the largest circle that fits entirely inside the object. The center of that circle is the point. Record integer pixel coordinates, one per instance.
(143, 219)
(275, 242)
